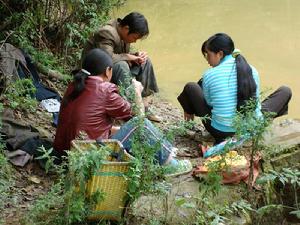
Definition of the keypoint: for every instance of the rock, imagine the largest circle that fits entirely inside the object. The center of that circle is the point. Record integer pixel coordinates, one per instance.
(291, 160)
(285, 133)
(170, 209)
(284, 144)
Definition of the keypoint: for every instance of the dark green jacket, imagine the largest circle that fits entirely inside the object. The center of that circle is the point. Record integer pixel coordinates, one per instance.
(108, 39)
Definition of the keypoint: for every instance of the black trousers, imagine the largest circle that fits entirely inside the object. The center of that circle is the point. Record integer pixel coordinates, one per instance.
(193, 102)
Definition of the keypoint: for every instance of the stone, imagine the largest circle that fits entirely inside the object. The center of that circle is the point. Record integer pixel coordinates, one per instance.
(169, 210)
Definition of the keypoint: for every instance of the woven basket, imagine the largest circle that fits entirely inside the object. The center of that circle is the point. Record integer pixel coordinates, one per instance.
(109, 179)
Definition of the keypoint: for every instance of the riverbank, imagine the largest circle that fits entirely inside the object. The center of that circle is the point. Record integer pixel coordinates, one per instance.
(31, 182)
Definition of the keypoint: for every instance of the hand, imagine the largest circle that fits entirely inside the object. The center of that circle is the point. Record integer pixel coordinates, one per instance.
(188, 117)
(134, 59)
(139, 57)
(143, 57)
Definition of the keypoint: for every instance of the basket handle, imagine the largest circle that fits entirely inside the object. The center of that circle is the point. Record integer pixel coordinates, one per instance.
(100, 142)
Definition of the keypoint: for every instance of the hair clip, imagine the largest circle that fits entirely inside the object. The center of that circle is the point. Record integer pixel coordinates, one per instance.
(86, 72)
(235, 53)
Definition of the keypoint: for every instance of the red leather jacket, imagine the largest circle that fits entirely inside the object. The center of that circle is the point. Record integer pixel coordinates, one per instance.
(92, 112)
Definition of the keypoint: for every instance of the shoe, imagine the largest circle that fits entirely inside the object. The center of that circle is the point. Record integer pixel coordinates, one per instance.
(154, 118)
(178, 167)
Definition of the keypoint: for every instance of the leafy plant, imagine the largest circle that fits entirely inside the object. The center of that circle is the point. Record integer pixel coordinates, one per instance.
(250, 126)
(67, 202)
(211, 212)
(285, 177)
(145, 168)
(82, 165)
(20, 95)
(53, 32)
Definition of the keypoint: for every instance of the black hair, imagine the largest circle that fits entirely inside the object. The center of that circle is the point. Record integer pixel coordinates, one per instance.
(94, 63)
(136, 22)
(246, 86)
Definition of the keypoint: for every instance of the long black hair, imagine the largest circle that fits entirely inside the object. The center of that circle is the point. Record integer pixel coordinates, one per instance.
(246, 86)
(136, 22)
(95, 63)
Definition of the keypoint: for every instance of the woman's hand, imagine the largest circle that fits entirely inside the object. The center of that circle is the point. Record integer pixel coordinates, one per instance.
(188, 117)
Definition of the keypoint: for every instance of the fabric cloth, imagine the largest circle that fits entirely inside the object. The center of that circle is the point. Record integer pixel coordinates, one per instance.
(92, 112)
(10, 58)
(15, 64)
(15, 133)
(22, 140)
(51, 105)
(108, 39)
(234, 175)
(18, 157)
(220, 92)
(152, 136)
(29, 71)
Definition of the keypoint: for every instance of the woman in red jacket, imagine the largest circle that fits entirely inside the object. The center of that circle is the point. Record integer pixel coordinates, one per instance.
(91, 104)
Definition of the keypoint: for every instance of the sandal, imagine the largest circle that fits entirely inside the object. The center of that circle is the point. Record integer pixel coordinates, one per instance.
(178, 167)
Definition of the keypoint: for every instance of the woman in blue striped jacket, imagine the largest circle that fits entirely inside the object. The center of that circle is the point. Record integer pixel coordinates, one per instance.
(225, 88)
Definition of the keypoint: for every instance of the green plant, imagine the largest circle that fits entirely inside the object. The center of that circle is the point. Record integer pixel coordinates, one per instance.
(279, 180)
(20, 95)
(47, 157)
(82, 165)
(211, 212)
(67, 201)
(250, 126)
(145, 168)
(46, 27)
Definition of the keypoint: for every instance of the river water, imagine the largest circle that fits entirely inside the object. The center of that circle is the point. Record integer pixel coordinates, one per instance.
(266, 31)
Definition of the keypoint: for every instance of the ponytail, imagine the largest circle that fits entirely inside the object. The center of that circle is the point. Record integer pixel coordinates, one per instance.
(78, 86)
(246, 86)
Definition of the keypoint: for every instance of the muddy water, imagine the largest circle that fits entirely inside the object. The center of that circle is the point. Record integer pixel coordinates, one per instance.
(267, 32)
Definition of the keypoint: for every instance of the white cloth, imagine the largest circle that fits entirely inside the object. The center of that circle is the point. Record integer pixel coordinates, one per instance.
(51, 105)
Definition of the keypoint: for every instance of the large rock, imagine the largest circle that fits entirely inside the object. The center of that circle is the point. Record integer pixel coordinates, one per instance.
(285, 133)
(165, 208)
(284, 144)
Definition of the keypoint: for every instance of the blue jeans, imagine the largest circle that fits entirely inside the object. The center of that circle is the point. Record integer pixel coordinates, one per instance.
(152, 135)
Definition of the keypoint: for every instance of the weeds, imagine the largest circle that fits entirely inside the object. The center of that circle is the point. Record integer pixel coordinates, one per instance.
(145, 168)
(286, 185)
(46, 27)
(21, 95)
(249, 125)
(67, 201)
